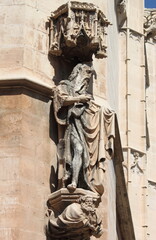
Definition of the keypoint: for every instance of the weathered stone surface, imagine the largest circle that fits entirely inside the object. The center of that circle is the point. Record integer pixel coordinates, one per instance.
(25, 163)
(78, 36)
(24, 119)
(73, 215)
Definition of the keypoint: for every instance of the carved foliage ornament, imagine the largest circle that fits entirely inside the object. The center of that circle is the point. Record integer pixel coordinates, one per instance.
(150, 24)
(78, 29)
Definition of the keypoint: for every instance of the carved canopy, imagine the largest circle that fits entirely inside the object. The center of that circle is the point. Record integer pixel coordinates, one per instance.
(78, 29)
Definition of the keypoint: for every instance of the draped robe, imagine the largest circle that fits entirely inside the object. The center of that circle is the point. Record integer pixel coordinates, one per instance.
(94, 126)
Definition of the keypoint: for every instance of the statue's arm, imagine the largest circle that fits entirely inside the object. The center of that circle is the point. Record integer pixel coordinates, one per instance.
(70, 100)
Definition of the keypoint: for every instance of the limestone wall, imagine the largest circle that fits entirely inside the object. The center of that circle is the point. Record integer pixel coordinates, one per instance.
(24, 41)
(132, 111)
(28, 132)
(151, 116)
(26, 156)
(27, 144)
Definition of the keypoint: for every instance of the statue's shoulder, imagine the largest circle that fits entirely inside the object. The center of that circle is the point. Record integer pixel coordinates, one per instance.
(65, 86)
(64, 82)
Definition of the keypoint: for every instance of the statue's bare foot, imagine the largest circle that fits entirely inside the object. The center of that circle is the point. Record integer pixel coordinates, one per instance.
(72, 186)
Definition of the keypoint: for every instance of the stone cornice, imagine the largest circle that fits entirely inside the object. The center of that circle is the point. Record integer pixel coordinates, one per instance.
(27, 83)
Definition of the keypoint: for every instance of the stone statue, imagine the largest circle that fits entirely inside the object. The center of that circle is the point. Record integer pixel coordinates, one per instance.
(86, 132)
(86, 129)
(79, 219)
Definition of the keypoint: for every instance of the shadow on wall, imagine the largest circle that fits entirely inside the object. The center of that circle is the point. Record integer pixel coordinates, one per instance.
(53, 133)
(62, 68)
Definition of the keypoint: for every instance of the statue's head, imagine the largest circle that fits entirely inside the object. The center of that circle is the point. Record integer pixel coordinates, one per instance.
(87, 203)
(81, 76)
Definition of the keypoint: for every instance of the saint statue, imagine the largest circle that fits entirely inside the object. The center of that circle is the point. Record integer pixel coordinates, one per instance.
(86, 132)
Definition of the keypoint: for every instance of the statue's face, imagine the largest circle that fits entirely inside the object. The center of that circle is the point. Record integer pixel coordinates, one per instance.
(83, 79)
(86, 72)
(88, 204)
(89, 201)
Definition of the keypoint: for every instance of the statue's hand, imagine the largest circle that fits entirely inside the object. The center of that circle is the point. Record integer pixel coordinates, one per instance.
(85, 98)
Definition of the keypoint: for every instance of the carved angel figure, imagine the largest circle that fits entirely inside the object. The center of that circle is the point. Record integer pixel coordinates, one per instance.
(86, 132)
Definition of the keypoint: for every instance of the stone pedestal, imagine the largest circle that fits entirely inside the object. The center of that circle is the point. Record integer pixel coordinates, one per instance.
(72, 215)
(60, 199)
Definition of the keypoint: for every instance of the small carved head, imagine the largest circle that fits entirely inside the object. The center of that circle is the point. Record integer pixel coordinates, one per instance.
(87, 203)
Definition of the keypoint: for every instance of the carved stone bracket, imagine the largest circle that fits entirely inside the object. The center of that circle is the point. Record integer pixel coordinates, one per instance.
(150, 24)
(78, 30)
(72, 215)
(136, 164)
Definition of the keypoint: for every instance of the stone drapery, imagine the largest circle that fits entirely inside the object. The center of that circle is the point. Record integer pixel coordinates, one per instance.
(93, 125)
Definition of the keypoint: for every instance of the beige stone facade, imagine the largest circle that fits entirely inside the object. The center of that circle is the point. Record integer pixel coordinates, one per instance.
(28, 131)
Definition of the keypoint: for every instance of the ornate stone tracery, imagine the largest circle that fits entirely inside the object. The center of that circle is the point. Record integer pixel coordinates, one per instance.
(150, 24)
(78, 30)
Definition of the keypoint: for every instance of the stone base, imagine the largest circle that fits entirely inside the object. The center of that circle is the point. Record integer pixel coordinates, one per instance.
(60, 199)
(72, 215)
